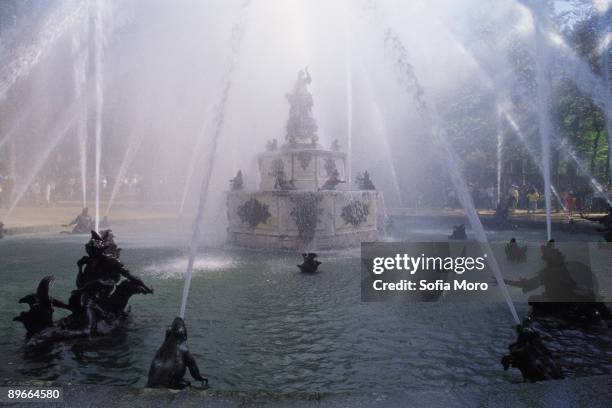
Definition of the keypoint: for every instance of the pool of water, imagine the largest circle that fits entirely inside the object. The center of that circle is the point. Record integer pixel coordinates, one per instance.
(256, 323)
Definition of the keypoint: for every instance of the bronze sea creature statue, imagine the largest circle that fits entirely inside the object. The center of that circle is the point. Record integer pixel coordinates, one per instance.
(569, 293)
(458, 232)
(332, 181)
(173, 359)
(40, 315)
(98, 305)
(310, 263)
(515, 252)
(82, 223)
(364, 182)
(531, 356)
(237, 183)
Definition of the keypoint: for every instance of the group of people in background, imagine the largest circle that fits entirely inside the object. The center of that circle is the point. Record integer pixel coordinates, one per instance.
(529, 198)
(38, 193)
(571, 201)
(525, 198)
(44, 191)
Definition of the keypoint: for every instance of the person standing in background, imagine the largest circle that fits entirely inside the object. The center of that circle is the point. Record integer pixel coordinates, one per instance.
(514, 197)
(532, 197)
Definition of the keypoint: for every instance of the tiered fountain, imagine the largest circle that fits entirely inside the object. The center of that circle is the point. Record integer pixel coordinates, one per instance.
(303, 201)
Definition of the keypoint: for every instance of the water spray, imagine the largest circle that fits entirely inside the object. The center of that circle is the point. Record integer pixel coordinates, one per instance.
(598, 88)
(61, 128)
(543, 92)
(532, 154)
(59, 22)
(382, 132)
(99, 101)
(192, 164)
(605, 62)
(135, 139)
(412, 86)
(24, 117)
(80, 82)
(596, 186)
(218, 117)
(500, 148)
(349, 96)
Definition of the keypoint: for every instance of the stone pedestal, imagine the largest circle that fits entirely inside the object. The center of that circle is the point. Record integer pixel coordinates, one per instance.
(302, 220)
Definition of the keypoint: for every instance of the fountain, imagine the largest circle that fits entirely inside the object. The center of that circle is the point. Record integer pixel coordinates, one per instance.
(310, 195)
(302, 201)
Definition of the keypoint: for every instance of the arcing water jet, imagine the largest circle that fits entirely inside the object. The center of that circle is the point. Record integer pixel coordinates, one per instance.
(59, 22)
(543, 92)
(100, 40)
(79, 56)
(218, 116)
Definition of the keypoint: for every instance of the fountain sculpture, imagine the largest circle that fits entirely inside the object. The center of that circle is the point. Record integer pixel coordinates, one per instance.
(515, 252)
(173, 359)
(531, 356)
(98, 305)
(304, 201)
(310, 264)
(82, 223)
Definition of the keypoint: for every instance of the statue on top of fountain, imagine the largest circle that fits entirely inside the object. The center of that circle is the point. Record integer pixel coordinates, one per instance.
(332, 181)
(280, 176)
(272, 145)
(364, 182)
(237, 183)
(301, 126)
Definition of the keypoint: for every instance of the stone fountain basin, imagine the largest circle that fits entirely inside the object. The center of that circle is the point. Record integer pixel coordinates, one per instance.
(267, 219)
(257, 325)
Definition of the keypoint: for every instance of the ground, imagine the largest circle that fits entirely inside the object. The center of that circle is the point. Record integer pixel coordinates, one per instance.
(49, 219)
(593, 392)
